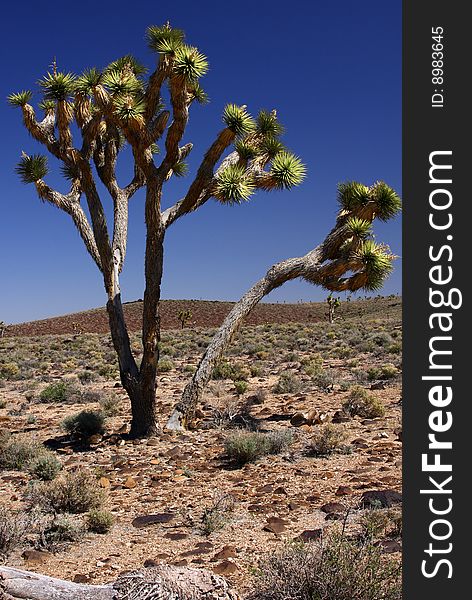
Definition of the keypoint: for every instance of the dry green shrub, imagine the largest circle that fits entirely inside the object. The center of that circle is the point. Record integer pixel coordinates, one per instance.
(14, 527)
(218, 514)
(85, 423)
(336, 568)
(360, 402)
(18, 451)
(327, 440)
(288, 383)
(45, 466)
(73, 492)
(59, 531)
(100, 521)
(243, 446)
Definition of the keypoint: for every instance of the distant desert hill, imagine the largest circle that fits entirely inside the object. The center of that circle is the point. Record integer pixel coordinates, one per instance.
(207, 313)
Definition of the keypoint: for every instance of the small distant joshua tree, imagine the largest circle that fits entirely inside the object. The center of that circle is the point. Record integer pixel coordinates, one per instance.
(76, 328)
(333, 305)
(3, 328)
(88, 119)
(184, 317)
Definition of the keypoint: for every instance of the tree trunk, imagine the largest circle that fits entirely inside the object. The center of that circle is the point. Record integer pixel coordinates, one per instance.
(184, 411)
(142, 398)
(162, 581)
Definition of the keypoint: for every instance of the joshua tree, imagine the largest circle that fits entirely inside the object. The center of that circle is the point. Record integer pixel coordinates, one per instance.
(184, 316)
(347, 260)
(3, 329)
(103, 110)
(333, 305)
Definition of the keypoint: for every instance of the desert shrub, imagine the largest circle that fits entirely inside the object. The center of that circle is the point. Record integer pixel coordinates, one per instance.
(60, 530)
(108, 371)
(312, 366)
(288, 383)
(381, 338)
(100, 521)
(334, 569)
(9, 370)
(14, 527)
(217, 515)
(240, 387)
(243, 446)
(85, 423)
(360, 402)
(59, 391)
(327, 440)
(109, 405)
(73, 492)
(86, 376)
(165, 365)
(45, 466)
(388, 371)
(226, 370)
(17, 451)
(3, 403)
(325, 380)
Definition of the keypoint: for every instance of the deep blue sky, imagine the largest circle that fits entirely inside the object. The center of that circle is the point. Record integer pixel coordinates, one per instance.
(331, 69)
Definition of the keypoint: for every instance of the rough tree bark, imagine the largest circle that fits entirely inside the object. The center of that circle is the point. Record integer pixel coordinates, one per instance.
(162, 582)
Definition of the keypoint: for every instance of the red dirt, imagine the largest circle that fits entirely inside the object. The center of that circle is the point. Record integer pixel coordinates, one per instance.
(205, 313)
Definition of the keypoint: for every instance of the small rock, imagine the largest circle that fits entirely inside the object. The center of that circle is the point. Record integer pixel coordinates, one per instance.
(384, 498)
(130, 483)
(225, 553)
(275, 525)
(154, 441)
(333, 508)
(147, 520)
(343, 490)
(310, 535)
(81, 578)
(389, 546)
(226, 567)
(104, 482)
(298, 419)
(177, 535)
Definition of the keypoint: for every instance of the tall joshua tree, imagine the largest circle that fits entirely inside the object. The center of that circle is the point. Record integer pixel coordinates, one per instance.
(347, 260)
(87, 121)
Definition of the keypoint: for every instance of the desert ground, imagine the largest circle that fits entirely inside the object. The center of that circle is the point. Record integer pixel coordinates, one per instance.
(327, 395)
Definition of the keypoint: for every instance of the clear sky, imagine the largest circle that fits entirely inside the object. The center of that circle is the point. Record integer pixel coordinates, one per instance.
(331, 69)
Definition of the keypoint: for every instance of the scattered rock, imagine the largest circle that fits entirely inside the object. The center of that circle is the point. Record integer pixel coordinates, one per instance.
(389, 546)
(343, 490)
(225, 553)
(226, 567)
(333, 508)
(275, 525)
(310, 535)
(130, 483)
(384, 498)
(147, 520)
(81, 578)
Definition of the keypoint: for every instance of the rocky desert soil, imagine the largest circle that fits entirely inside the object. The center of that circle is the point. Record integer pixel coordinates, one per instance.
(179, 498)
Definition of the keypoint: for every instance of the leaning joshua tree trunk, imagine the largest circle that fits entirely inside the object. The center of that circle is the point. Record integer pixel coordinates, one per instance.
(117, 106)
(164, 582)
(347, 260)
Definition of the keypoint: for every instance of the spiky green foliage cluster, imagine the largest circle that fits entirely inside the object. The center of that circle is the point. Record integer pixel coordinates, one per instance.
(47, 105)
(353, 196)
(164, 39)
(199, 94)
(287, 170)
(180, 169)
(238, 119)
(128, 108)
(267, 124)
(58, 86)
(32, 168)
(88, 81)
(233, 185)
(271, 146)
(189, 63)
(127, 63)
(20, 98)
(359, 228)
(387, 201)
(70, 172)
(377, 262)
(245, 149)
(119, 82)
